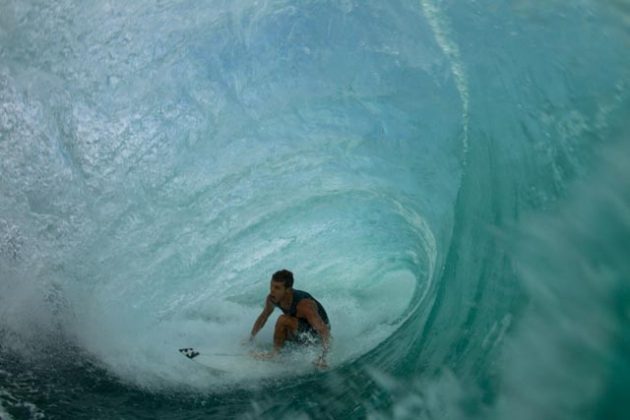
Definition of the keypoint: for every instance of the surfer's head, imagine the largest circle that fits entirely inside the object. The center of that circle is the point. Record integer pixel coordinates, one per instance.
(281, 281)
(284, 276)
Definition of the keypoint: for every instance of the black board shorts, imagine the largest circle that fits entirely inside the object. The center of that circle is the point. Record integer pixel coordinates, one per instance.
(306, 334)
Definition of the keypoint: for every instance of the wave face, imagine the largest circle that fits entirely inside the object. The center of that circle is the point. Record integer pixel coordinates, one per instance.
(450, 180)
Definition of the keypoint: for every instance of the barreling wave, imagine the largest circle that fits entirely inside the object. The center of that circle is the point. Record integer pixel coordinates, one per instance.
(448, 180)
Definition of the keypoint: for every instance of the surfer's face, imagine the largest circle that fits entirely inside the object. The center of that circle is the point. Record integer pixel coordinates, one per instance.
(277, 291)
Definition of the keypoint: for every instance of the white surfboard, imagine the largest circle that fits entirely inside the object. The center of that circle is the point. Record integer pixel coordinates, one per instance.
(220, 362)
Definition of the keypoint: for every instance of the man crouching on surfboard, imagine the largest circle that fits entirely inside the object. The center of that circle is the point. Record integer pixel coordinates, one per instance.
(304, 320)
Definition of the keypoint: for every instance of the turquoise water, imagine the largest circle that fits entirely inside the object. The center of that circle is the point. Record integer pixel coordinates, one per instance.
(450, 179)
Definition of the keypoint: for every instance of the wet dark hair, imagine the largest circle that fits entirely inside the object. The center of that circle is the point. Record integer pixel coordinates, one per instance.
(284, 276)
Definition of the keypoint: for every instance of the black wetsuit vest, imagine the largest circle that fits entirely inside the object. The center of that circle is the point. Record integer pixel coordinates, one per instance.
(298, 295)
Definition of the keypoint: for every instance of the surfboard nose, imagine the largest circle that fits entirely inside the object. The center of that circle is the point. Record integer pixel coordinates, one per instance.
(189, 352)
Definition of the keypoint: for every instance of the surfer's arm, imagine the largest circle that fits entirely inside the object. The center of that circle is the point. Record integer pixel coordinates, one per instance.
(308, 310)
(262, 318)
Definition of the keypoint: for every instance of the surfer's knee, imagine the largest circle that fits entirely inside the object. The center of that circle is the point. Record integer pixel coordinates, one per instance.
(284, 321)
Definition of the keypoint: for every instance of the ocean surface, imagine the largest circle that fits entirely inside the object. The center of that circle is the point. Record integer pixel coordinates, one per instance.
(450, 179)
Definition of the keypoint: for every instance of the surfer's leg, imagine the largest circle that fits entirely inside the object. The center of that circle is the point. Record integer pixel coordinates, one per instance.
(306, 334)
(286, 327)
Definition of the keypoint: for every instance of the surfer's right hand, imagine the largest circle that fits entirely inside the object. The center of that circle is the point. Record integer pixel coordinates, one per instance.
(320, 363)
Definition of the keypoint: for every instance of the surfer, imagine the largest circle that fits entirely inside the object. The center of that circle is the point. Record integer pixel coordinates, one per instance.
(304, 320)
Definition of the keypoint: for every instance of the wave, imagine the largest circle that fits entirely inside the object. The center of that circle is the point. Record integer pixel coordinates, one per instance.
(448, 180)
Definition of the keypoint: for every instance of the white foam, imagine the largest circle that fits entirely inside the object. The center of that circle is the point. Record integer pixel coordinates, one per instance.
(3, 414)
(440, 26)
